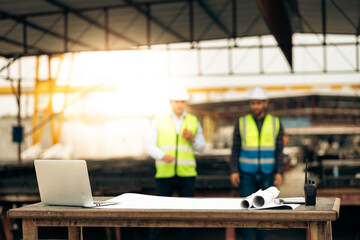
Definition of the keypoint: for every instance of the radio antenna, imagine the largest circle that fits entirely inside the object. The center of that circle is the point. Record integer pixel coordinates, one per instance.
(306, 162)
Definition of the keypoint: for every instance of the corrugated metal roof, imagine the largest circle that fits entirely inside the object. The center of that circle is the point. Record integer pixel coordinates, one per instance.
(56, 26)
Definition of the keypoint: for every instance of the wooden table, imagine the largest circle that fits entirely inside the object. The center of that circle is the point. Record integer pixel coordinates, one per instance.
(317, 218)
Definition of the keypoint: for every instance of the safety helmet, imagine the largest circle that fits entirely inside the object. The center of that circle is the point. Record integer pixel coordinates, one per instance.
(179, 93)
(258, 93)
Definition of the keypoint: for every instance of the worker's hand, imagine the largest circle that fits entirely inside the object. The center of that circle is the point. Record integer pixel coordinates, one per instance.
(188, 135)
(168, 158)
(235, 179)
(278, 179)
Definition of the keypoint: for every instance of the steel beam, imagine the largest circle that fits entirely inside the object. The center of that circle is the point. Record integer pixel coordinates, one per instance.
(230, 57)
(234, 19)
(148, 25)
(275, 16)
(90, 20)
(292, 7)
(42, 29)
(261, 56)
(106, 29)
(66, 31)
(357, 62)
(20, 44)
(342, 12)
(42, 88)
(9, 63)
(324, 31)
(25, 37)
(251, 25)
(200, 37)
(191, 21)
(112, 6)
(357, 47)
(174, 18)
(214, 18)
(155, 20)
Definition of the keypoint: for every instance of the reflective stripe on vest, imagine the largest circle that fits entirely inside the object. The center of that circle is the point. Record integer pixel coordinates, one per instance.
(257, 149)
(185, 162)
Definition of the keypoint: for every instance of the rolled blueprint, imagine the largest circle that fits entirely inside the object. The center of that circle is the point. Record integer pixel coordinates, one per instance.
(264, 197)
(248, 201)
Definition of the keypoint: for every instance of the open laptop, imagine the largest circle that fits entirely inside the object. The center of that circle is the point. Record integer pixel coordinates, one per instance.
(65, 182)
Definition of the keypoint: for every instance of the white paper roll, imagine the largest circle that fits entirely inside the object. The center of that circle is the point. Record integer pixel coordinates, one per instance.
(265, 197)
(248, 201)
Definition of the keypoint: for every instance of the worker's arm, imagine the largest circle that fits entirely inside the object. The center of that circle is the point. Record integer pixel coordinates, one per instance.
(278, 179)
(199, 140)
(234, 160)
(151, 142)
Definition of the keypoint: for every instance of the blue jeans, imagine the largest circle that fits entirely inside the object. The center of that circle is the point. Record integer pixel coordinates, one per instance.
(185, 187)
(250, 183)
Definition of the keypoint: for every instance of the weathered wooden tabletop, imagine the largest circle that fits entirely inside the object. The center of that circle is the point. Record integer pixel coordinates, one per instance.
(318, 218)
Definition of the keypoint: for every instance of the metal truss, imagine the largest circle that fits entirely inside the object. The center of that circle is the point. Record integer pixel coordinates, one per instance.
(233, 62)
(282, 19)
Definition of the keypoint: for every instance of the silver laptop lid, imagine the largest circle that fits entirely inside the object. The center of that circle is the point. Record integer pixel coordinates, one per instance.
(64, 182)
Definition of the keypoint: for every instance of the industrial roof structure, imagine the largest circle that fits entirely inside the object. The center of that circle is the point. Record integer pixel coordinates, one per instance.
(57, 26)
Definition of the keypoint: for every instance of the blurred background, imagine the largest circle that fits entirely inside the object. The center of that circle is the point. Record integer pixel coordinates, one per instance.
(83, 80)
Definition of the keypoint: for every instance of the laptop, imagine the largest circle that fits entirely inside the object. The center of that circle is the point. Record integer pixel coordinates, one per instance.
(65, 183)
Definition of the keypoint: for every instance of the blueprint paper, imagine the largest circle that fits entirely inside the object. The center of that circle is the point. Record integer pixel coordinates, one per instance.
(142, 201)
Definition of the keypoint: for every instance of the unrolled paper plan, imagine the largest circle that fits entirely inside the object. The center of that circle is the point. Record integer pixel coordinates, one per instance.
(143, 201)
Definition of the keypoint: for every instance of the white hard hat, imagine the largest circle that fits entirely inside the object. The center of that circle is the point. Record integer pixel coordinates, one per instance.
(179, 94)
(258, 93)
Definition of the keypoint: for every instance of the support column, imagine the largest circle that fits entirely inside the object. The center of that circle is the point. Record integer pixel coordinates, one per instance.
(319, 231)
(43, 116)
(30, 230)
(74, 233)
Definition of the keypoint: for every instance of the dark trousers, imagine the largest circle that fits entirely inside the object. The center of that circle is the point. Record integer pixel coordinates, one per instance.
(185, 187)
(250, 183)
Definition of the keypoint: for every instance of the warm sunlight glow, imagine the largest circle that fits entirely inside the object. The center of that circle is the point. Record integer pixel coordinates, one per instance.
(140, 78)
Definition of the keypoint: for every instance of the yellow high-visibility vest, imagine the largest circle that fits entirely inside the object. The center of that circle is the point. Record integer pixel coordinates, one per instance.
(258, 149)
(177, 146)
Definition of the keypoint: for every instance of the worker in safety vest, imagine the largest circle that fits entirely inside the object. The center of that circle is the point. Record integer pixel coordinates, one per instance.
(171, 141)
(256, 158)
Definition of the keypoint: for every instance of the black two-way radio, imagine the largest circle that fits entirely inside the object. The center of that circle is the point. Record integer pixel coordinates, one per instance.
(309, 188)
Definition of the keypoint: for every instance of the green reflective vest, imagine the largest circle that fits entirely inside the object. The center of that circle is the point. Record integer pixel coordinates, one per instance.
(171, 143)
(258, 149)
